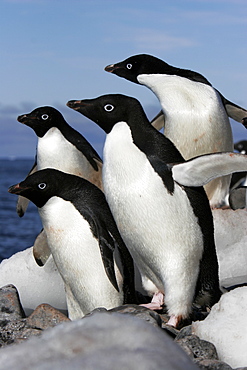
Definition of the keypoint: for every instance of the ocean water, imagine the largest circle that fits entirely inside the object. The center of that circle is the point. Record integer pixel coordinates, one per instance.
(16, 234)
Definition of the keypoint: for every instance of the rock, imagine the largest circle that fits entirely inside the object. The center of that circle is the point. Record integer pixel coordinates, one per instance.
(15, 328)
(184, 332)
(45, 316)
(143, 313)
(10, 305)
(212, 365)
(11, 331)
(102, 341)
(197, 348)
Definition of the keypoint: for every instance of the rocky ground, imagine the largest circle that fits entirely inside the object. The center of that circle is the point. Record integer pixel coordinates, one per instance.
(126, 337)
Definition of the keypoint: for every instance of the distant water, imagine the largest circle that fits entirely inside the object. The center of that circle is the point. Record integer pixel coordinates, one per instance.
(16, 233)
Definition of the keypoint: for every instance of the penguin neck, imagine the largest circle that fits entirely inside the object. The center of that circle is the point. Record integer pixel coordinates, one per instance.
(150, 141)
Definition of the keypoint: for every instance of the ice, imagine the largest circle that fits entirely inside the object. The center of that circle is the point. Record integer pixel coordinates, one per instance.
(35, 284)
(231, 245)
(226, 327)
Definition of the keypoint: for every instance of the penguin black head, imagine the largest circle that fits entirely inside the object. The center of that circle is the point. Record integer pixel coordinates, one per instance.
(42, 119)
(241, 146)
(140, 64)
(107, 110)
(40, 186)
(133, 66)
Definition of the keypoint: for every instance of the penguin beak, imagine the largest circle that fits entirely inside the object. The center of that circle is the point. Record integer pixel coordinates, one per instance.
(22, 118)
(111, 68)
(76, 104)
(25, 118)
(16, 189)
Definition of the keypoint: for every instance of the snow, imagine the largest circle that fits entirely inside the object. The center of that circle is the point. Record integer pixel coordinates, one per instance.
(226, 327)
(35, 284)
(231, 245)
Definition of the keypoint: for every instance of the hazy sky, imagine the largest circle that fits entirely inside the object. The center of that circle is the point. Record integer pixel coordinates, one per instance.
(53, 51)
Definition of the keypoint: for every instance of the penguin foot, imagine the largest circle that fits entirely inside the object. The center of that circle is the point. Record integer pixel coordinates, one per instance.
(156, 303)
(174, 321)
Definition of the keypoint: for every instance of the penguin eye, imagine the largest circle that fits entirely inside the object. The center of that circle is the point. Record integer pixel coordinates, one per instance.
(108, 107)
(44, 117)
(129, 66)
(42, 186)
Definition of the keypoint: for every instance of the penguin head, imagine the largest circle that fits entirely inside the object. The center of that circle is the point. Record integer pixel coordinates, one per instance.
(136, 65)
(107, 110)
(39, 187)
(42, 119)
(241, 146)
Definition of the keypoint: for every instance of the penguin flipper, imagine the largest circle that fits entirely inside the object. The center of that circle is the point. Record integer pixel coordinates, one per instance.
(158, 121)
(21, 205)
(234, 111)
(41, 250)
(106, 244)
(200, 170)
(23, 202)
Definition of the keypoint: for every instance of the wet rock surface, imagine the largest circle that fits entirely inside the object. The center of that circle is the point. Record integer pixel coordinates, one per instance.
(129, 337)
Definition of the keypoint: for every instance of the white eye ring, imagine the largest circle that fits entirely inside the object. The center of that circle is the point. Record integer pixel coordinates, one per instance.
(129, 66)
(108, 107)
(44, 117)
(42, 186)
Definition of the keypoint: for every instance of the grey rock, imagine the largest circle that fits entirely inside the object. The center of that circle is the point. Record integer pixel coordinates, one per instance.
(184, 332)
(102, 341)
(212, 365)
(14, 327)
(10, 330)
(197, 348)
(10, 305)
(143, 313)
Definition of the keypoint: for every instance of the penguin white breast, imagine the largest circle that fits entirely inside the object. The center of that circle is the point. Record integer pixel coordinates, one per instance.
(195, 118)
(76, 253)
(160, 229)
(54, 151)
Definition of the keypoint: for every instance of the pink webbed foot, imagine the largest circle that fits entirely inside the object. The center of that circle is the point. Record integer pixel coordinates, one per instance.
(174, 320)
(156, 303)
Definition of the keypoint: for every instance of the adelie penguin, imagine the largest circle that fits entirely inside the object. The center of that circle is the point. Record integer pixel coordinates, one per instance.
(195, 115)
(61, 147)
(83, 239)
(166, 225)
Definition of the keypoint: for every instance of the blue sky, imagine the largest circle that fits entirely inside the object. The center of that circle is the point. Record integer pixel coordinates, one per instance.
(53, 51)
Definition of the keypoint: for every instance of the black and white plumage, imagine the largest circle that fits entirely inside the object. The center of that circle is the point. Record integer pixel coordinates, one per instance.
(195, 115)
(61, 147)
(167, 226)
(83, 239)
